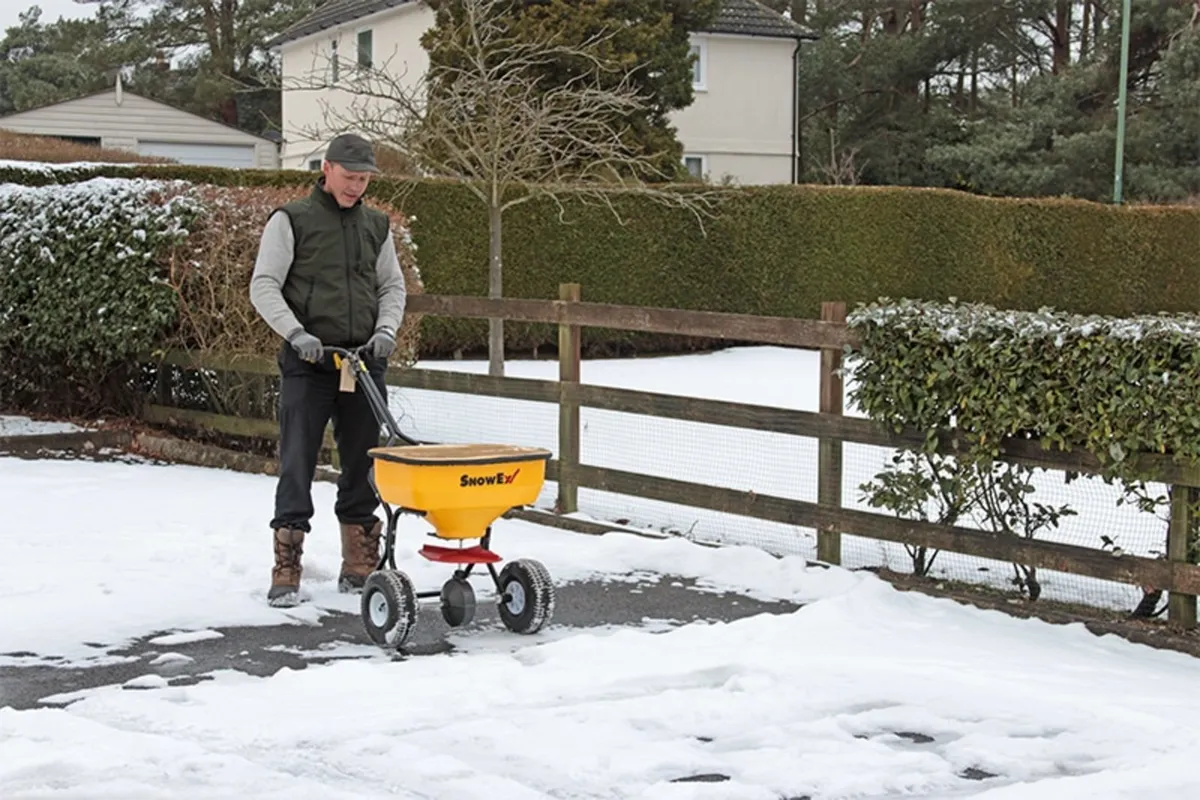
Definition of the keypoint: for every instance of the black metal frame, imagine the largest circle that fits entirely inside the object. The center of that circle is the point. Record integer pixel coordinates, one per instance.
(383, 415)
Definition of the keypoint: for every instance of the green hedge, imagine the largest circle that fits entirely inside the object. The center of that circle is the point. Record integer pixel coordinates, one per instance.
(1115, 387)
(778, 250)
(83, 289)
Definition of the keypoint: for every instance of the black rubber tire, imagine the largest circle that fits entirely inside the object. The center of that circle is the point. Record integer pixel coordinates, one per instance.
(458, 602)
(526, 600)
(389, 607)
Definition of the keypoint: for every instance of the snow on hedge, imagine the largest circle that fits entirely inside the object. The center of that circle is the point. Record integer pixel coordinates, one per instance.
(84, 264)
(955, 322)
(55, 166)
(1114, 386)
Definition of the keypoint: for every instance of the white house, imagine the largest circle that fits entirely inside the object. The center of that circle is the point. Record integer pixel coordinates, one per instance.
(741, 124)
(118, 119)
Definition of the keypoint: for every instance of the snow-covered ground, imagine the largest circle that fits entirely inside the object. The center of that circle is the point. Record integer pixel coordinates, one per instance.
(863, 692)
(125, 550)
(16, 425)
(766, 463)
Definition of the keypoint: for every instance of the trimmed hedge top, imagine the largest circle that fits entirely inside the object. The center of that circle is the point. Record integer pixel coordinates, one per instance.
(1115, 387)
(771, 250)
(84, 282)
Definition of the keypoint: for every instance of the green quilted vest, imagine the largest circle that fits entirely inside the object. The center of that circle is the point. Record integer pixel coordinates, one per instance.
(331, 286)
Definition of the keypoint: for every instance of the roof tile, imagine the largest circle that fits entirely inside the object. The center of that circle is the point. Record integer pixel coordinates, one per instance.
(751, 18)
(740, 17)
(332, 14)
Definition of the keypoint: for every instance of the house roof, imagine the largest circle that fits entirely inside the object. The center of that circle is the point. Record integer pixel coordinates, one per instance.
(738, 17)
(332, 14)
(33, 110)
(751, 18)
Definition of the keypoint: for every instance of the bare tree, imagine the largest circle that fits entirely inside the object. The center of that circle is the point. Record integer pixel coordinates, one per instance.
(486, 116)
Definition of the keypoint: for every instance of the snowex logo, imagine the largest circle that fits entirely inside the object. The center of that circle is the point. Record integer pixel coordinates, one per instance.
(495, 479)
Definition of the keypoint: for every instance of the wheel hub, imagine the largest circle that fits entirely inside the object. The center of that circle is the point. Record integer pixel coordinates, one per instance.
(458, 602)
(516, 598)
(377, 607)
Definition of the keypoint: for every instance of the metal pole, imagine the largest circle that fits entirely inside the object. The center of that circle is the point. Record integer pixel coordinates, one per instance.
(1119, 168)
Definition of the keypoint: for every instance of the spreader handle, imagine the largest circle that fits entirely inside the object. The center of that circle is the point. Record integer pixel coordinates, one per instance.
(378, 403)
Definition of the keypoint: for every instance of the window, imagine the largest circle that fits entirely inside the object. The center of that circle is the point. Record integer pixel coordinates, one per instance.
(333, 62)
(365, 46)
(699, 54)
(314, 163)
(91, 141)
(695, 166)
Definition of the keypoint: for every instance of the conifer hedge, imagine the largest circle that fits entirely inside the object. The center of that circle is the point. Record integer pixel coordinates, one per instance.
(777, 250)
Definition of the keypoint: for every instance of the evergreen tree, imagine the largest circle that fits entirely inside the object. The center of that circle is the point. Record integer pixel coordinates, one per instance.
(651, 33)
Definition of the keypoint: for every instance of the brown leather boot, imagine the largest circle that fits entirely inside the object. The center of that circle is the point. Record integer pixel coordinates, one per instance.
(285, 575)
(360, 554)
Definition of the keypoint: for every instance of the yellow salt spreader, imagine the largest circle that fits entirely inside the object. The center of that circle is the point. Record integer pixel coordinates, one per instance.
(460, 490)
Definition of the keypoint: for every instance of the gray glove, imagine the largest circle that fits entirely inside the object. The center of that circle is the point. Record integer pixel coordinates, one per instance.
(382, 344)
(308, 346)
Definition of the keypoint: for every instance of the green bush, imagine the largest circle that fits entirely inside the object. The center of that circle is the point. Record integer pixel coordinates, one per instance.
(775, 250)
(100, 272)
(1115, 387)
(84, 286)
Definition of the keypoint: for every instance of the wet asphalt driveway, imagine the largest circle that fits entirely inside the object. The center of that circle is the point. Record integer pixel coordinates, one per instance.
(264, 650)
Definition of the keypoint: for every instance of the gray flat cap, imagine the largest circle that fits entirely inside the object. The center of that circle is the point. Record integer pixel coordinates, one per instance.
(353, 152)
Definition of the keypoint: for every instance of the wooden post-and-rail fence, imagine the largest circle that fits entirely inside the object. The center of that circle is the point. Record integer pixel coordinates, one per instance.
(829, 335)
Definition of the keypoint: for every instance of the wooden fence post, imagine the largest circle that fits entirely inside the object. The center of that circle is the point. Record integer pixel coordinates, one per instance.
(569, 350)
(163, 380)
(829, 451)
(1181, 608)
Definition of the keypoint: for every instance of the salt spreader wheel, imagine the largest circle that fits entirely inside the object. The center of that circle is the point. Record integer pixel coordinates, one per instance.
(458, 602)
(526, 596)
(389, 607)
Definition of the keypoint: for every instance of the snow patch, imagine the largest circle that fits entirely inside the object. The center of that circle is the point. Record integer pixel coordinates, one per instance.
(146, 682)
(25, 426)
(170, 658)
(186, 637)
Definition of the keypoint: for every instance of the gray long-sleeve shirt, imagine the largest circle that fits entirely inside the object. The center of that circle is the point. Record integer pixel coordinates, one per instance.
(275, 260)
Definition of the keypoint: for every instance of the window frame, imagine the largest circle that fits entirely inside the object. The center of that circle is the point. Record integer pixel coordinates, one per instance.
(358, 48)
(700, 66)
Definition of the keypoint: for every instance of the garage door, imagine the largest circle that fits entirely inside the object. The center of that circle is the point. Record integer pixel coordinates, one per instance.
(207, 155)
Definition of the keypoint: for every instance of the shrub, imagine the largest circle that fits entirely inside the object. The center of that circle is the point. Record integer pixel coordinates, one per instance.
(212, 275)
(83, 289)
(26, 147)
(1115, 387)
(101, 272)
(772, 250)
(1118, 388)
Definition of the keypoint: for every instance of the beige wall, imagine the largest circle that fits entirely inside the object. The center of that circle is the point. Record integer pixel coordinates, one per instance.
(744, 168)
(121, 126)
(740, 122)
(313, 109)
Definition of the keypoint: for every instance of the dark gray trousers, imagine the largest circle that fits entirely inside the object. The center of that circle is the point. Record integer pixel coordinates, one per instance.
(309, 399)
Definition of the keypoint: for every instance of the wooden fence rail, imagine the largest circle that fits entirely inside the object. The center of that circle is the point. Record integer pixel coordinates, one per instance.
(570, 311)
(828, 425)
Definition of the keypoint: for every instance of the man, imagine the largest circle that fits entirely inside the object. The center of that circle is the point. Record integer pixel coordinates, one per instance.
(327, 274)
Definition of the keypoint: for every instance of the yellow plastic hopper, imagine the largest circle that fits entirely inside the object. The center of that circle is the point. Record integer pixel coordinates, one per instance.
(460, 488)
